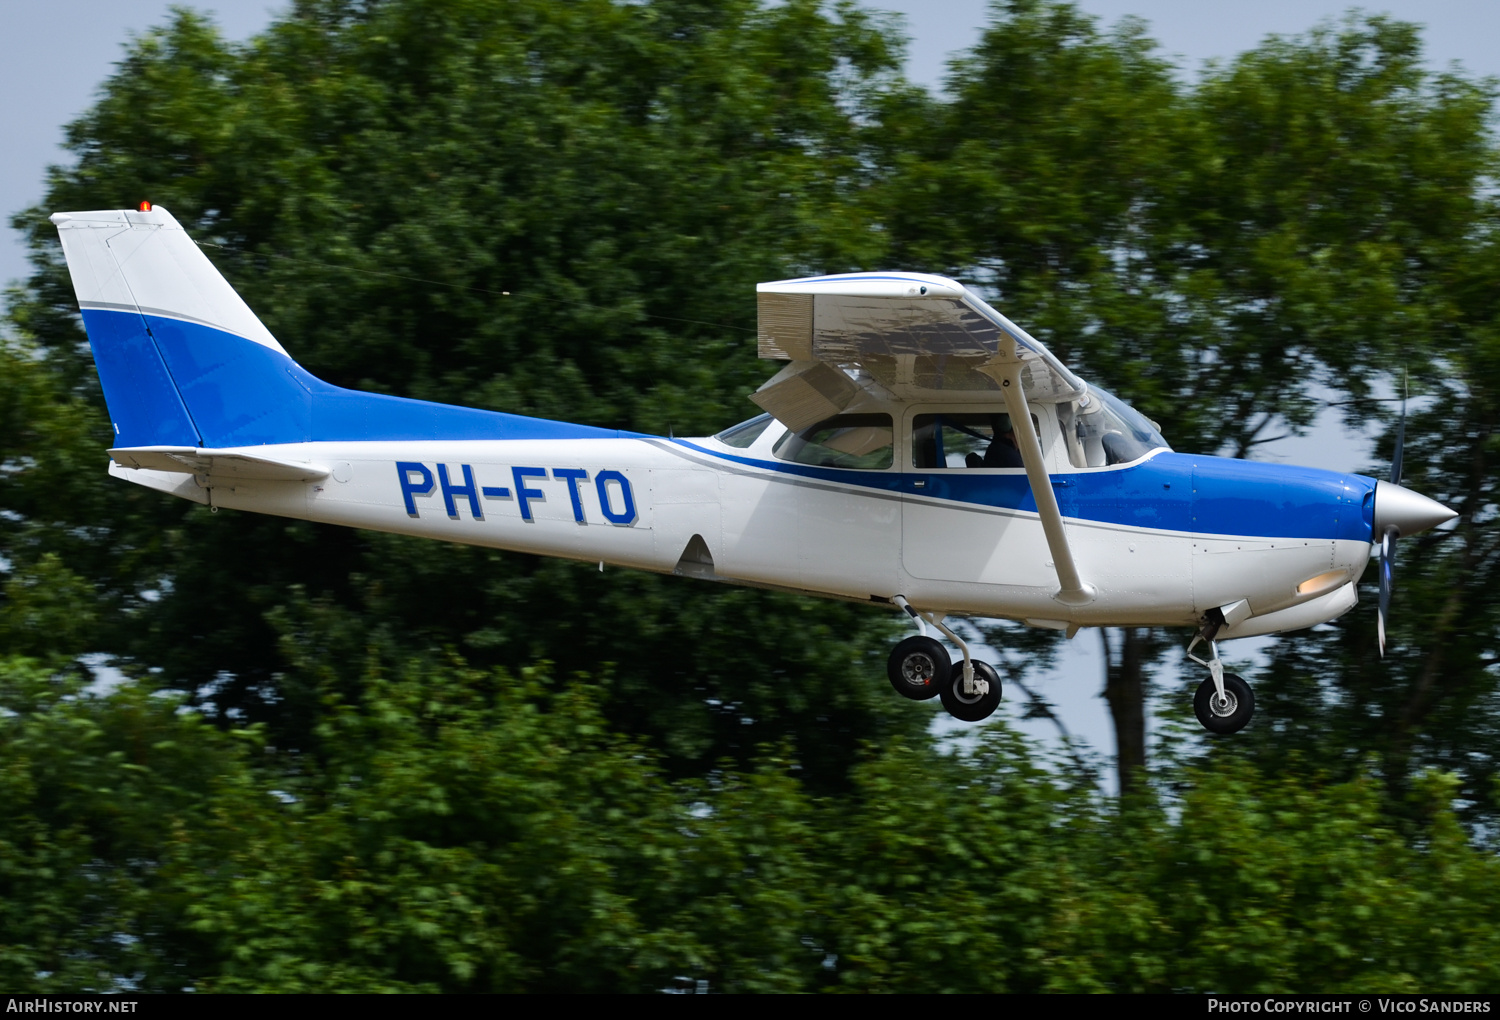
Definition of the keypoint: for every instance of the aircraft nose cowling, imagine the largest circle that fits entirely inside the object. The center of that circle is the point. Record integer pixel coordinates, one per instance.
(1408, 512)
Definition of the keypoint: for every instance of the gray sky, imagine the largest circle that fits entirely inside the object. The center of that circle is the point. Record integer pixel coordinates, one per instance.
(1193, 31)
(54, 55)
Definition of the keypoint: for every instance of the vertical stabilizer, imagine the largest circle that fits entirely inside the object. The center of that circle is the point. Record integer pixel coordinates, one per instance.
(158, 315)
(185, 363)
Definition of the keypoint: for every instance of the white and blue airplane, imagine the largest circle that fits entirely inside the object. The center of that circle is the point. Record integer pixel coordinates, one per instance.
(918, 451)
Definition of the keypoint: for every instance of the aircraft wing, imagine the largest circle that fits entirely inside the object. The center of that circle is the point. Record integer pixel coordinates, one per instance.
(906, 330)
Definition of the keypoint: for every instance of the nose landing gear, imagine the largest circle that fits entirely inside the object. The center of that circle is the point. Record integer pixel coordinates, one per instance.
(1224, 702)
(920, 668)
(1226, 713)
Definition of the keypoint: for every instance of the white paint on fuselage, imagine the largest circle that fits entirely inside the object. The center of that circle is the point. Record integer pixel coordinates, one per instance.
(763, 525)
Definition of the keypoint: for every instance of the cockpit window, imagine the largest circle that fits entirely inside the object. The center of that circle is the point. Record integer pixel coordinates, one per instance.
(1105, 430)
(744, 435)
(863, 441)
(984, 440)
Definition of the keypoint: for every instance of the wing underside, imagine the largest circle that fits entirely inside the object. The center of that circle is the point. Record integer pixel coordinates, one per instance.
(907, 331)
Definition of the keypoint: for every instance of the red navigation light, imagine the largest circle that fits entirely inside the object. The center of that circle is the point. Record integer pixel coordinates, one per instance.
(145, 206)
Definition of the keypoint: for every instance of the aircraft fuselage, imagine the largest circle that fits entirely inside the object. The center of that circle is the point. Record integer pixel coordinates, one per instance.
(1164, 539)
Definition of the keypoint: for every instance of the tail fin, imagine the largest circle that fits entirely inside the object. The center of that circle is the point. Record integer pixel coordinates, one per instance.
(185, 363)
(172, 339)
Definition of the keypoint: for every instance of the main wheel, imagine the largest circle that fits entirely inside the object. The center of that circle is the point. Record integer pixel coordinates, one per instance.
(917, 666)
(1230, 715)
(971, 707)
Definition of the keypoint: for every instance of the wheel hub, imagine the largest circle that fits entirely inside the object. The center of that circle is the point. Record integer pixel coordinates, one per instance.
(1224, 706)
(970, 699)
(919, 669)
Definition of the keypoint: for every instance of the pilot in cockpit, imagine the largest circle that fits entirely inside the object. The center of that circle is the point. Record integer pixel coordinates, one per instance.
(1003, 452)
(964, 440)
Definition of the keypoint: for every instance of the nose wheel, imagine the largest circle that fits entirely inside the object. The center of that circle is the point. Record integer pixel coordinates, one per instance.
(1226, 713)
(1224, 702)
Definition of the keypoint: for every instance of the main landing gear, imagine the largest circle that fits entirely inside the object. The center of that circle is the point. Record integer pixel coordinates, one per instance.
(1224, 702)
(920, 668)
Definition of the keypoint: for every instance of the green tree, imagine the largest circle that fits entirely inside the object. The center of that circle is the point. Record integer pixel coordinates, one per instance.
(1431, 700)
(471, 830)
(1222, 253)
(1338, 188)
(556, 210)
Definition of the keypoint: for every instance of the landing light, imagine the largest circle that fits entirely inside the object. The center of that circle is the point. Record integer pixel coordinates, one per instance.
(1321, 583)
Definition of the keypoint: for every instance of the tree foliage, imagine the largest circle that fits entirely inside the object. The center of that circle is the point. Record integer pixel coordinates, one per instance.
(465, 830)
(1232, 253)
(338, 760)
(548, 209)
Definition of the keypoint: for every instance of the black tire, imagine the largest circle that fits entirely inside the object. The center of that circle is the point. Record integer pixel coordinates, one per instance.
(971, 707)
(1229, 718)
(917, 666)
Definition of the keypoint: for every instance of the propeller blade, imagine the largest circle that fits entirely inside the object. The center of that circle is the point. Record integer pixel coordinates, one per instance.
(1390, 532)
(1400, 443)
(1387, 581)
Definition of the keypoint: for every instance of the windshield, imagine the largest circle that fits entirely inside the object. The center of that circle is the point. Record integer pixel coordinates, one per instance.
(1105, 430)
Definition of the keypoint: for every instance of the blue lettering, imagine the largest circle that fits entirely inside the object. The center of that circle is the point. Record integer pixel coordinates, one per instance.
(573, 476)
(416, 479)
(524, 496)
(626, 516)
(467, 489)
(404, 470)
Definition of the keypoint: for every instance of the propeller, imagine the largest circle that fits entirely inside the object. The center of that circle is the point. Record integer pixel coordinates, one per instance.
(1390, 533)
(1387, 580)
(1398, 512)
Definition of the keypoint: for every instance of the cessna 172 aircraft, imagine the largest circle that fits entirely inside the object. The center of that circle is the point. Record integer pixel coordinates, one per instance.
(919, 450)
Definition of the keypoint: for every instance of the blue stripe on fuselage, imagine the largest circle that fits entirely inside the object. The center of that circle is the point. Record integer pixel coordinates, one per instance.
(241, 393)
(1168, 491)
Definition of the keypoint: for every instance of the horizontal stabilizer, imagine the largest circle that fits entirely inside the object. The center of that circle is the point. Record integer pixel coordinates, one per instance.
(218, 464)
(174, 483)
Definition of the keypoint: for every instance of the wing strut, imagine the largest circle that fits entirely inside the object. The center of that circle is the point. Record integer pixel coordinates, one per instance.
(1005, 368)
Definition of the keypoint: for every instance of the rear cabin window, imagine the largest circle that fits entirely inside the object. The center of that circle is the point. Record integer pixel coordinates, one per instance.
(860, 441)
(744, 435)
